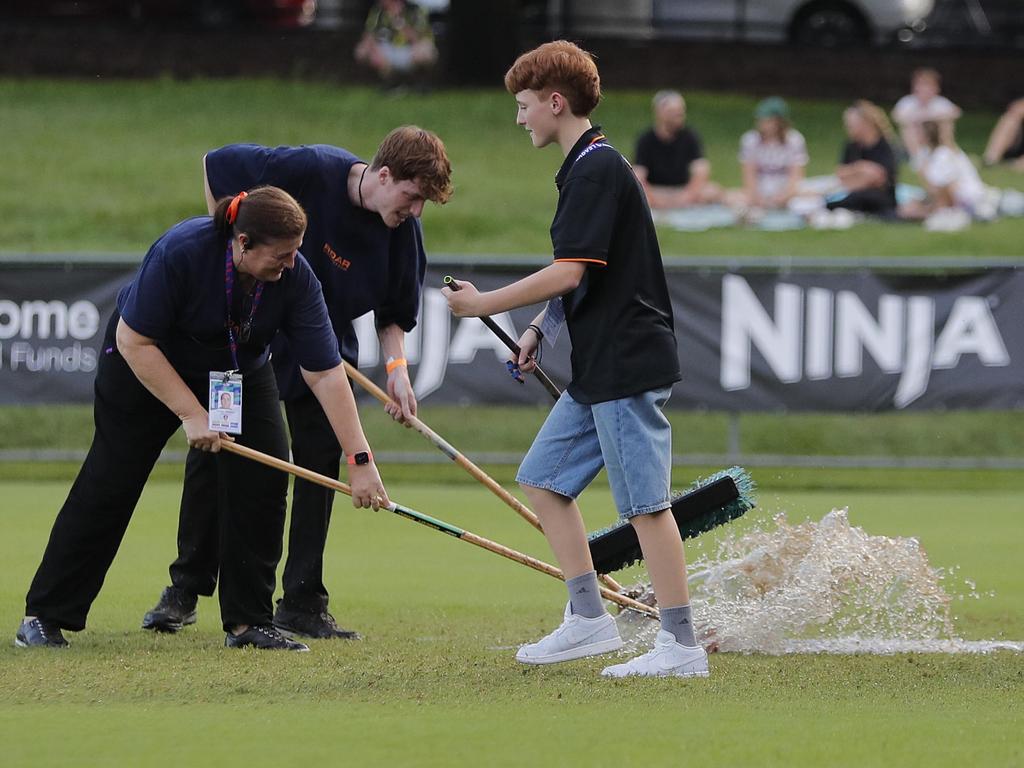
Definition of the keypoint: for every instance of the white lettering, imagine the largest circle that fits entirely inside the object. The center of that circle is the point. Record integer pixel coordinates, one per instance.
(435, 320)
(746, 323)
(366, 335)
(917, 366)
(73, 359)
(19, 353)
(80, 321)
(47, 314)
(472, 335)
(970, 330)
(839, 328)
(857, 330)
(818, 364)
(83, 320)
(10, 319)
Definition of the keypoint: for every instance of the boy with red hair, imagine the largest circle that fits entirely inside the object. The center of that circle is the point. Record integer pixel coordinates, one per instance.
(608, 280)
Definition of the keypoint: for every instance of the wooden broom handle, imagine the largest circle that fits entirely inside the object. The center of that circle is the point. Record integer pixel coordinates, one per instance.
(459, 458)
(539, 565)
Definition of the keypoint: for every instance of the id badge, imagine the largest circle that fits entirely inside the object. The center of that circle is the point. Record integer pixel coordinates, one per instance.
(225, 402)
(554, 317)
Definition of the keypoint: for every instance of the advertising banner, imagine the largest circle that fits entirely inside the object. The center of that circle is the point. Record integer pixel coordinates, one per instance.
(749, 340)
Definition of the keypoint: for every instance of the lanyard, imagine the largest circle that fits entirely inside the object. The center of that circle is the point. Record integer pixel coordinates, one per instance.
(245, 329)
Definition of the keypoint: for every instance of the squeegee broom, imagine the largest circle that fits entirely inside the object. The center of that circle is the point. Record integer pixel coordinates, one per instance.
(708, 503)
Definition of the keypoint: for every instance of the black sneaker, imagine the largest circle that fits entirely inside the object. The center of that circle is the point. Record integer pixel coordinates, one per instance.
(39, 633)
(264, 637)
(319, 625)
(175, 609)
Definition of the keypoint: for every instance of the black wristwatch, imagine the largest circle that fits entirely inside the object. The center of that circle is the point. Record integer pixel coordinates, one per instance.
(360, 459)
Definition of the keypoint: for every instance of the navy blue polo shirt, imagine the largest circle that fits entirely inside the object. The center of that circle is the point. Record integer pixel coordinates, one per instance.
(178, 298)
(620, 316)
(361, 263)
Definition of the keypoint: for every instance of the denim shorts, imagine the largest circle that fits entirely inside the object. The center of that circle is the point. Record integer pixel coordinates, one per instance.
(630, 437)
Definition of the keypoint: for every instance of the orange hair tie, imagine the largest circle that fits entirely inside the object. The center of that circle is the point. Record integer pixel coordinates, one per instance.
(232, 215)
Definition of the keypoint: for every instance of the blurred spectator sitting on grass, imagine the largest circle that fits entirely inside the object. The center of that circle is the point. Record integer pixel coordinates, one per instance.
(397, 42)
(773, 157)
(868, 167)
(924, 104)
(1007, 139)
(956, 193)
(669, 161)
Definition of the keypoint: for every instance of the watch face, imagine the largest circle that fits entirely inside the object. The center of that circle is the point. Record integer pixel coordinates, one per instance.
(362, 458)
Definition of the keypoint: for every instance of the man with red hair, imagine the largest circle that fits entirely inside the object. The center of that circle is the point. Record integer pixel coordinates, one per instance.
(608, 281)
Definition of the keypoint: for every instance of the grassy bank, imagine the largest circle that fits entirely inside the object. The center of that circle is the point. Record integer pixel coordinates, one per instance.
(108, 166)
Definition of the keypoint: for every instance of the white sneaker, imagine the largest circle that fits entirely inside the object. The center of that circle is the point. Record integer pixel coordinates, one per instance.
(667, 659)
(577, 638)
(948, 220)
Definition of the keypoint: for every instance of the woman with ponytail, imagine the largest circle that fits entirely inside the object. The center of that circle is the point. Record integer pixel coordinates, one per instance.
(199, 315)
(868, 166)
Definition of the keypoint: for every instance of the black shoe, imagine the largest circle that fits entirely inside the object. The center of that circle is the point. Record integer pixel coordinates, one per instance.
(176, 609)
(264, 637)
(319, 625)
(39, 633)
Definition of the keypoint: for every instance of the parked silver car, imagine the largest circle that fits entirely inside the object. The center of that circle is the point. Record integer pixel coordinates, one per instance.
(806, 22)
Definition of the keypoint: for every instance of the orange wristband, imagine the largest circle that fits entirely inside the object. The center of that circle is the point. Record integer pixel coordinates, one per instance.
(395, 363)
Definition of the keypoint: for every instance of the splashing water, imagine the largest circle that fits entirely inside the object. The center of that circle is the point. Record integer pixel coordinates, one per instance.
(816, 587)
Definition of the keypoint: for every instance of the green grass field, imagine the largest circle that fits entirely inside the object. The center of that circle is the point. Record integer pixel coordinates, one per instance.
(108, 166)
(434, 682)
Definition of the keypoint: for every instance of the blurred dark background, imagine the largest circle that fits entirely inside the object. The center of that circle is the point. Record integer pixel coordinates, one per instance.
(802, 48)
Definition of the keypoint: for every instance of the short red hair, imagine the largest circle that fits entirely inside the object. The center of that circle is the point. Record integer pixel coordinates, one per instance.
(558, 66)
(410, 152)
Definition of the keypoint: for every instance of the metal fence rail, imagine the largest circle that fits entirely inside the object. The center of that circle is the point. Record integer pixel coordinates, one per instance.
(512, 459)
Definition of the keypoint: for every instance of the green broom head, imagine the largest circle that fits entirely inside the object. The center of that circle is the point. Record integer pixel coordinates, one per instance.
(708, 503)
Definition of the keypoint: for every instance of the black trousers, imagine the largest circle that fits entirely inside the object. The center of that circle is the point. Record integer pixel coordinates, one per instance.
(314, 446)
(132, 427)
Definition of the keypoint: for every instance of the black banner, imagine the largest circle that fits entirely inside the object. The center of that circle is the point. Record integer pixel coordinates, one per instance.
(748, 340)
(52, 321)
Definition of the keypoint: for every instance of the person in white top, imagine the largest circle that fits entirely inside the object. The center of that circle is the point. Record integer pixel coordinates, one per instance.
(956, 192)
(924, 104)
(773, 157)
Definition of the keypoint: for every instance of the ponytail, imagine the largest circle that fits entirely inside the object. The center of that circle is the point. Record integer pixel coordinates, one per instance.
(875, 115)
(262, 213)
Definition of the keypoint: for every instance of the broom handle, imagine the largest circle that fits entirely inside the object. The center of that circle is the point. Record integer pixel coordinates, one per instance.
(507, 340)
(431, 522)
(459, 458)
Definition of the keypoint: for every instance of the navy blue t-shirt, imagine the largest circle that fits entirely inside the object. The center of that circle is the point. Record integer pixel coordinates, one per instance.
(362, 264)
(178, 297)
